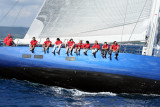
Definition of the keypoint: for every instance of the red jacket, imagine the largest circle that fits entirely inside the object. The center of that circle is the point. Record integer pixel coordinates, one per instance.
(71, 43)
(58, 42)
(97, 46)
(86, 46)
(47, 43)
(6, 39)
(34, 43)
(79, 45)
(9, 42)
(115, 47)
(106, 46)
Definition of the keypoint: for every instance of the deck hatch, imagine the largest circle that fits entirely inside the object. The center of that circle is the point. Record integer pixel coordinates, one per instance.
(71, 58)
(38, 56)
(26, 56)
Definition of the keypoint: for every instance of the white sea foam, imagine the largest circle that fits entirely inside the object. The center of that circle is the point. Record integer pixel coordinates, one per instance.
(75, 92)
(145, 95)
(154, 95)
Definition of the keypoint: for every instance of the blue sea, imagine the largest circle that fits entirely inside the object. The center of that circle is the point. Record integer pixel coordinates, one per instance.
(15, 93)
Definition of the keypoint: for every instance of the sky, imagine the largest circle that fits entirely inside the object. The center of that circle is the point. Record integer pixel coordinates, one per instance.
(19, 13)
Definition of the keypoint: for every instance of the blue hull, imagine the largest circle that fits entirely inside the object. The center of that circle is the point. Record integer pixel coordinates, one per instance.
(129, 73)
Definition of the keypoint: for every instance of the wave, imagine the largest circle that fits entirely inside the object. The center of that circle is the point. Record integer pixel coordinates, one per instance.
(76, 92)
(44, 89)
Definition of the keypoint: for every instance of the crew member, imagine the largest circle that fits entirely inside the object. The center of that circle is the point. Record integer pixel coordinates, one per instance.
(78, 46)
(95, 48)
(6, 39)
(58, 44)
(86, 47)
(104, 50)
(71, 45)
(33, 44)
(114, 48)
(10, 41)
(47, 44)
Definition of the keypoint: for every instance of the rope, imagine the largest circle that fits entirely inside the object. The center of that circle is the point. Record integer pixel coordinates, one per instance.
(124, 20)
(1, 20)
(123, 27)
(137, 21)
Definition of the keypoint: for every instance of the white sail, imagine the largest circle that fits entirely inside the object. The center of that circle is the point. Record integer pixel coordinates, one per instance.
(102, 20)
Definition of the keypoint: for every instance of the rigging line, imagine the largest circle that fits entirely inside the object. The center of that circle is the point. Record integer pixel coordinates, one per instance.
(124, 20)
(1, 20)
(106, 28)
(137, 20)
(18, 14)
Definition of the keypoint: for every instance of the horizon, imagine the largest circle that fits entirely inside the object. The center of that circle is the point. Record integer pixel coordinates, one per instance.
(16, 26)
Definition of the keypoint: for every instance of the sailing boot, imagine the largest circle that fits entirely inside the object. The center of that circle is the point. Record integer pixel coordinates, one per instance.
(47, 50)
(53, 52)
(94, 54)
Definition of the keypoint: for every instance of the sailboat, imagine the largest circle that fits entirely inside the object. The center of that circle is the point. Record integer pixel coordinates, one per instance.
(124, 21)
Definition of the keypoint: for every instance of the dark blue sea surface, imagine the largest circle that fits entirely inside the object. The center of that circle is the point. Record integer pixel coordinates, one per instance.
(16, 32)
(24, 94)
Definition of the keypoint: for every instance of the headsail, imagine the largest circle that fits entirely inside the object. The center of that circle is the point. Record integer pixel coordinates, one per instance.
(103, 20)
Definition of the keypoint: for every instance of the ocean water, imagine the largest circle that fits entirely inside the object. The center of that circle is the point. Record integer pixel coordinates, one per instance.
(15, 93)
(16, 32)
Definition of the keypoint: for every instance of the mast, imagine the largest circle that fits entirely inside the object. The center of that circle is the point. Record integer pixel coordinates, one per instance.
(152, 30)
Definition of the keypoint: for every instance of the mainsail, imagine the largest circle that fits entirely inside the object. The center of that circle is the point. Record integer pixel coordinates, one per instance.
(102, 20)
